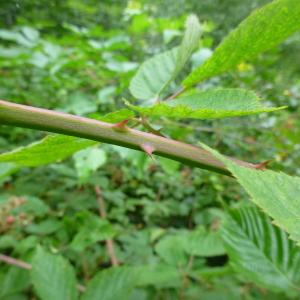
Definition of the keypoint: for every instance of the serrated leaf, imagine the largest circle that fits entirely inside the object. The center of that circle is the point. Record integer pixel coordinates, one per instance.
(116, 116)
(262, 30)
(210, 104)
(154, 75)
(278, 194)
(52, 148)
(55, 148)
(158, 72)
(111, 284)
(261, 252)
(53, 277)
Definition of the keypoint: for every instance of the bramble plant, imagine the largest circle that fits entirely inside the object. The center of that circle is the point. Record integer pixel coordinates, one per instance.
(261, 240)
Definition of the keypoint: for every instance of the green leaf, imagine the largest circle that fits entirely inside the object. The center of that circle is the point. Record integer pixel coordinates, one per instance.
(189, 42)
(158, 72)
(14, 281)
(154, 75)
(92, 230)
(210, 104)
(203, 243)
(261, 252)
(262, 30)
(171, 250)
(158, 275)
(53, 277)
(111, 284)
(89, 160)
(48, 226)
(276, 193)
(7, 169)
(52, 148)
(116, 116)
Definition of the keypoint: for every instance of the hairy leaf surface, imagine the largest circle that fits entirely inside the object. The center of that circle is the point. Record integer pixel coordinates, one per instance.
(262, 30)
(210, 104)
(278, 194)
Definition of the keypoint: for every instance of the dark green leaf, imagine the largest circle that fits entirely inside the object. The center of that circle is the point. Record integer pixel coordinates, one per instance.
(53, 277)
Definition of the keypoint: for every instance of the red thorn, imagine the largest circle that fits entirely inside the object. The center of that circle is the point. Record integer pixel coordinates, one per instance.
(149, 149)
(121, 126)
(263, 165)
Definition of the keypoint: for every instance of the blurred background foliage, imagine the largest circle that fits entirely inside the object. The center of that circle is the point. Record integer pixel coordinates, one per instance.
(78, 57)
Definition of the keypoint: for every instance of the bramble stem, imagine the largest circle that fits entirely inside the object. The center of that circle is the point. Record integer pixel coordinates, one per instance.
(52, 121)
(109, 243)
(15, 262)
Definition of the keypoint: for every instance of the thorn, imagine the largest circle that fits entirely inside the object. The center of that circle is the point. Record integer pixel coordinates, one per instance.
(121, 126)
(149, 149)
(263, 165)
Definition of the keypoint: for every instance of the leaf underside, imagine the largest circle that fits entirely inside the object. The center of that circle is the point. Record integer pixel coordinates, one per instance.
(155, 74)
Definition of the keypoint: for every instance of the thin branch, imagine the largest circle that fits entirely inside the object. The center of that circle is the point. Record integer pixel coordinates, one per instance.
(52, 121)
(24, 265)
(178, 93)
(15, 262)
(109, 243)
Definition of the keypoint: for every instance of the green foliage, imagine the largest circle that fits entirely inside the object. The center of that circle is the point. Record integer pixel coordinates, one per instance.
(92, 229)
(210, 104)
(261, 252)
(52, 148)
(158, 72)
(154, 75)
(14, 281)
(174, 232)
(276, 193)
(53, 277)
(115, 283)
(88, 161)
(202, 243)
(261, 31)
